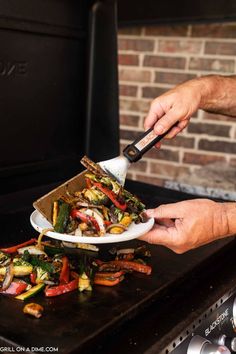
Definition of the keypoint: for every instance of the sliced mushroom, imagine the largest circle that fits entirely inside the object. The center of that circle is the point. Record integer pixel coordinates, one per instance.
(33, 309)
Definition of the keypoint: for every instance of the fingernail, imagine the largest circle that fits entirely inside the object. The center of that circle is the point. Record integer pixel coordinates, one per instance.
(159, 129)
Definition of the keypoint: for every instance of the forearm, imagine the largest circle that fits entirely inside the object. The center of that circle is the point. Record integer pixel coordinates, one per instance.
(218, 94)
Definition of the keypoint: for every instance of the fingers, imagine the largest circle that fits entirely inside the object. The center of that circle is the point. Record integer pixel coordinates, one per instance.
(161, 235)
(167, 121)
(158, 235)
(177, 129)
(158, 145)
(169, 211)
(155, 112)
(170, 237)
(166, 222)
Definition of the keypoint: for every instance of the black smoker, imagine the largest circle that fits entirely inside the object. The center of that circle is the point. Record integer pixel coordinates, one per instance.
(59, 101)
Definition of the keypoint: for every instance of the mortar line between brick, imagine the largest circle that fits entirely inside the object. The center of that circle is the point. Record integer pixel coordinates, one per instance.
(172, 70)
(141, 60)
(203, 47)
(161, 37)
(177, 38)
(184, 55)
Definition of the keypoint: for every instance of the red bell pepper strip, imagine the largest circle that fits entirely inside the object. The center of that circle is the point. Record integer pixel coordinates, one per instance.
(33, 277)
(111, 195)
(65, 271)
(61, 289)
(16, 288)
(107, 222)
(77, 214)
(74, 275)
(88, 182)
(109, 274)
(127, 265)
(14, 249)
(107, 281)
(98, 262)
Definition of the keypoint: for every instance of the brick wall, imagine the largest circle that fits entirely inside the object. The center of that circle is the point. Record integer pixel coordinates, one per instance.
(151, 61)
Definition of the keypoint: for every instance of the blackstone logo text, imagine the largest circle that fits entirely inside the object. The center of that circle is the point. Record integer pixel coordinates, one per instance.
(219, 319)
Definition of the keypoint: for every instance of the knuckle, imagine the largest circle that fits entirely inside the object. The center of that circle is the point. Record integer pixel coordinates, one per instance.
(180, 250)
(151, 239)
(154, 102)
(178, 112)
(159, 211)
(181, 244)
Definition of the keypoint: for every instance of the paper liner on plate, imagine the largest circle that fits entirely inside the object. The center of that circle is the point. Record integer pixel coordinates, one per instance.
(45, 203)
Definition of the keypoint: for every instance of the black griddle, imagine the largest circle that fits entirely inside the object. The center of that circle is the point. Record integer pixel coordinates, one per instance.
(80, 323)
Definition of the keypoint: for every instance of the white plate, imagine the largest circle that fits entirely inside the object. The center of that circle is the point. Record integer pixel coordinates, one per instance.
(39, 223)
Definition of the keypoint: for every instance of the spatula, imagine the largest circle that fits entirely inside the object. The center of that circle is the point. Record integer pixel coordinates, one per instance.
(118, 166)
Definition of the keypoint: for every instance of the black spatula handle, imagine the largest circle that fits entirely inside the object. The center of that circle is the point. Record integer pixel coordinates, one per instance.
(142, 144)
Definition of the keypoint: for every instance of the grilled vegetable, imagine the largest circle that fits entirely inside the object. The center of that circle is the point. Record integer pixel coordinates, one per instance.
(32, 292)
(16, 288)
(88, 217)
(5, 259)
(52, 250)
(18, 270)
(63, 216)
(94, 210)
(87, 246)
(61, 289)
(31, 249)
(107, 281)
(111, 195)
(8, 277)
(55, 212)
(95, 196)
(41, 275)
(23, 275)
(33, 309)
(124, 223)
(127, 265)
(65, 271)
(84, 283)
(15, 248)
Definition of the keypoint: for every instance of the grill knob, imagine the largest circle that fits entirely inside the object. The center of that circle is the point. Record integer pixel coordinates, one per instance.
(214, 349)
(200, 345)
(229, 342)
(234, 315)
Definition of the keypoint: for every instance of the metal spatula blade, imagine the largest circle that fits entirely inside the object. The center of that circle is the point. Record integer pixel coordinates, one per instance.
(118, 166)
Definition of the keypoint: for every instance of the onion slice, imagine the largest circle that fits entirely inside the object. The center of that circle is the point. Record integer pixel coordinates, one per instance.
(34, 250)
(116, 225)
(97, 215)
(125, 251)
(8, 277)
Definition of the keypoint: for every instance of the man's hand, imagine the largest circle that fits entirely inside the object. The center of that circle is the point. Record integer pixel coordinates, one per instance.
(189, 224)
(213, 93)
(176, 105)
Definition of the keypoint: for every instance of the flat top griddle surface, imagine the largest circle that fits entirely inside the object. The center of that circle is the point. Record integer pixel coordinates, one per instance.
(73, 321)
